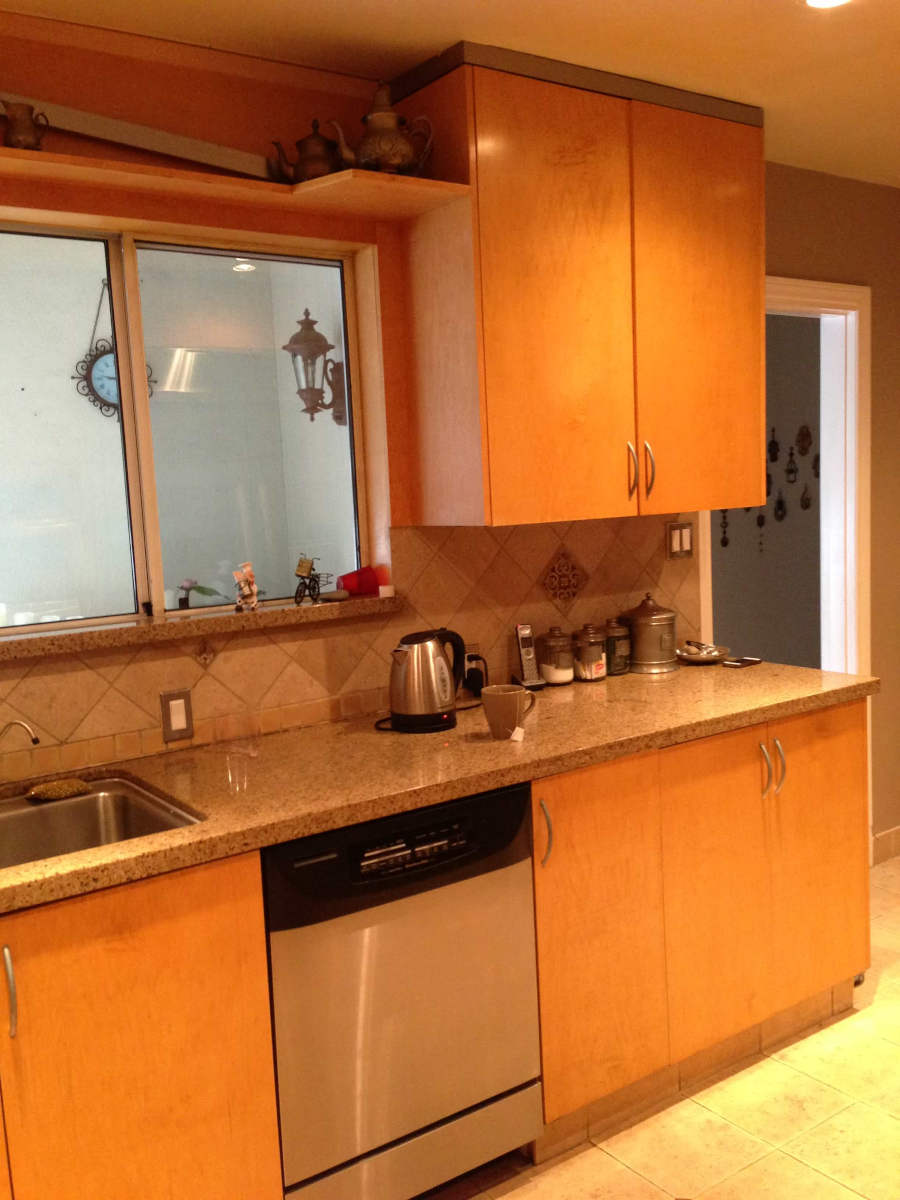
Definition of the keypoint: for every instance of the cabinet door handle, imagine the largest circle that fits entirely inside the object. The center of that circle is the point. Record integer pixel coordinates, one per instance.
(633, 481)
(11, 985)
(765, 754)
(546, 813)
(652, 461)
(780, 784)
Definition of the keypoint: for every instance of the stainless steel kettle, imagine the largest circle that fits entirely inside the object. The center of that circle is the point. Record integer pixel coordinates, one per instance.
(424, 681)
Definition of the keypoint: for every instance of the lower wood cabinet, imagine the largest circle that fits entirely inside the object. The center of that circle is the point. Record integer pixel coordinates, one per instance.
(142, 1060)
(691, 893)
(599, 915)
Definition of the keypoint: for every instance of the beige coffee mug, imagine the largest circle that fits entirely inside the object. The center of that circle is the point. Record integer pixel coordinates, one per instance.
(506, 705)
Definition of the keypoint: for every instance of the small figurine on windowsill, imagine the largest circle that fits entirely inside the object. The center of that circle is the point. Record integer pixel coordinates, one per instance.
(247, 593)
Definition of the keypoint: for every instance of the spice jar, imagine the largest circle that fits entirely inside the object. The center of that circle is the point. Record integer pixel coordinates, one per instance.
(590, 653)
(555, 658)
(618, 647)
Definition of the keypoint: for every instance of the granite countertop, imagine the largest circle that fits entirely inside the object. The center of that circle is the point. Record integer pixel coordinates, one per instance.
(263, 790)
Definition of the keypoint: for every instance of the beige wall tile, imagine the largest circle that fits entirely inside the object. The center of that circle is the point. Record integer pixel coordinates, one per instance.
(73, 755)
(249, 666)
(16, 765)
(58, 694)
(128, 745)
(532, 547)
(12, 673)
(157, 669)
(103, 749)
(113, 713)
(45, 760)
(293, 686)
(210, 699)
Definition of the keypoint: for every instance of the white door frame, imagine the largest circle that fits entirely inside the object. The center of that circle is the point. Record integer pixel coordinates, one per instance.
(846, 393)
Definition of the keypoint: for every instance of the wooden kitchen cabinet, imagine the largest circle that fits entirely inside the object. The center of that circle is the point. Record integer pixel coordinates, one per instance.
(596, 308)
(766, 880)
(599, 918)
(142, 1064)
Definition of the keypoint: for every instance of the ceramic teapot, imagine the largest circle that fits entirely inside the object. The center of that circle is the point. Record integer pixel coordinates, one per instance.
(390, 143)
(317, 155)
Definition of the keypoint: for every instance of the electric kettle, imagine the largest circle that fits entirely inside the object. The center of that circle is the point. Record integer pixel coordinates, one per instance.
(424, 682)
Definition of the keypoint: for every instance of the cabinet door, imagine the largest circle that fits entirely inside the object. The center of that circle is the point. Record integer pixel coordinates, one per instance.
(143, 1065)
(717, 887)
(699, 309)
(820, 851)
(554, 222)
(601, 955)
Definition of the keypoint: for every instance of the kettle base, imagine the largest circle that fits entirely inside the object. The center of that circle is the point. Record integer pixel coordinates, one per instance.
(423, 722)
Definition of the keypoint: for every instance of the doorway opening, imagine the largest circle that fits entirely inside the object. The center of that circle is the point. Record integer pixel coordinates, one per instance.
(791, 583)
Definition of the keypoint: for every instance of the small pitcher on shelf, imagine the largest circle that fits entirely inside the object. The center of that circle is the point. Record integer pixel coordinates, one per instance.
(24, 127)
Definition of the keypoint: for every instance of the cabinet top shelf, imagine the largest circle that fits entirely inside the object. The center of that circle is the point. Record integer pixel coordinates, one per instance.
(352, 193)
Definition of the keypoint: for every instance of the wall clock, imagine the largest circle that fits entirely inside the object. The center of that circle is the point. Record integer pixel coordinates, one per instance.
(96, 375)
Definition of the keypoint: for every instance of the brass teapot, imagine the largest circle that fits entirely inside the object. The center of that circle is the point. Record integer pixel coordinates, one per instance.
(25, 128)
(386, 145)
(317, 155)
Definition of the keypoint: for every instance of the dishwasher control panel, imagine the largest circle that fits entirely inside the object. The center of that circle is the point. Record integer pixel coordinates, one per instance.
(413, 849)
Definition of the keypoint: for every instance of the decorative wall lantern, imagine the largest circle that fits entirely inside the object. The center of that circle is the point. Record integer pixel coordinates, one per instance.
(313, 369)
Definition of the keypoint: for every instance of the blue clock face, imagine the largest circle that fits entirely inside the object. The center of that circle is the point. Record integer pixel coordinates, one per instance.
(103, 379)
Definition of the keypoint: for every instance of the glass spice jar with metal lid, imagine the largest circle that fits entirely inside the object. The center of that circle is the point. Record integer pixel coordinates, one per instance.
(556, 661)
(590, 653)
(618, 647)
(652, 637)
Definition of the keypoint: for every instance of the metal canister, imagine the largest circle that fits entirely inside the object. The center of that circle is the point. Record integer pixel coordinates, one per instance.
(556, 661)
(618, 647)
(652, 637)
(590, 653)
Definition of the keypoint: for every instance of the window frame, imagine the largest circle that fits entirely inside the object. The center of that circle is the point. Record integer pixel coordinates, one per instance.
(124, 291)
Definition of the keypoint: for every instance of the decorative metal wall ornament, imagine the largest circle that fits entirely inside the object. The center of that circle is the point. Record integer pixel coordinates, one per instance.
(768, 484)
(804, 440)
(96, 375)
(723, 525)
(313, 368)
(791, 471)
(760, 524)
(805, 497)
(780, 511)
(774, 447)
(816, 466)
(563, 578)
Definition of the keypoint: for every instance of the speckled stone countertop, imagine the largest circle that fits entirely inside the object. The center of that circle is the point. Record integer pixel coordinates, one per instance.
(269, 789)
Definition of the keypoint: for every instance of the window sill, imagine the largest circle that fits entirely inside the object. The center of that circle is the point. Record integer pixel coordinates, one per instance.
(177, 627)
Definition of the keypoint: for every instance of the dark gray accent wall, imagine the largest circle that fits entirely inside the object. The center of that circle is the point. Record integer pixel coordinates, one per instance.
(766, 602)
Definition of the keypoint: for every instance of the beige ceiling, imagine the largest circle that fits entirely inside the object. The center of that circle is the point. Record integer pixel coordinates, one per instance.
(829, 80)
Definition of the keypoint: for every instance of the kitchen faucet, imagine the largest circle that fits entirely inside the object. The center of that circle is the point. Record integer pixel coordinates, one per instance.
(9, 724)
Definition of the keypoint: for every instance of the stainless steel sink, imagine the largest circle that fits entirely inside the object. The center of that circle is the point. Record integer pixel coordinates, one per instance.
(113, 811)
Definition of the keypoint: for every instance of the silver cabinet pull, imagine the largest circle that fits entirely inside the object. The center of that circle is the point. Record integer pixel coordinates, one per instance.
(11, 985)
(765, 755)
(649, 453)
(780, 749)
(633, 481)
(546, 813)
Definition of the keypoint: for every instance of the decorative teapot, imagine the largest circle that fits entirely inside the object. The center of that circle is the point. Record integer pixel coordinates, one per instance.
(317, 155)
(387, 145)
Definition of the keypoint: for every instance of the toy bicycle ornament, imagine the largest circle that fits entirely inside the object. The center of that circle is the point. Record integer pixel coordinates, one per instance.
(309, 580)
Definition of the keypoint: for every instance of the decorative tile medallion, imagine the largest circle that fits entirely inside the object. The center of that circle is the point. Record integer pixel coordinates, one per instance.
(563, 578)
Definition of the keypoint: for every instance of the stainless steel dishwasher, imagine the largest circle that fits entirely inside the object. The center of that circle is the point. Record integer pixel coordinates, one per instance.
(404, 997)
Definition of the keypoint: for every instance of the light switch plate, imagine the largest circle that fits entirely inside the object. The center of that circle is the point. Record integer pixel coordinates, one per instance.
(679, 539)
(175, 724)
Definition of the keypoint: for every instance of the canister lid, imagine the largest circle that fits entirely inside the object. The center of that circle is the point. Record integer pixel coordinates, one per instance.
(555, 639)
(590, 635)
(615, 628)
(648, 612)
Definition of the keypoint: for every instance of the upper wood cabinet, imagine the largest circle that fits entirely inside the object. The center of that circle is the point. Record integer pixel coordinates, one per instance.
(611, 251)
(599, 919)
(142, 1063)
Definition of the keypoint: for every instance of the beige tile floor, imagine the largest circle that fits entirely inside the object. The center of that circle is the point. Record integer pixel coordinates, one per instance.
(816, 1119)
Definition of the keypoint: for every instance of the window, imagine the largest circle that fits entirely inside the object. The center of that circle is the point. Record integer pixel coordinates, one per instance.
(247, 450)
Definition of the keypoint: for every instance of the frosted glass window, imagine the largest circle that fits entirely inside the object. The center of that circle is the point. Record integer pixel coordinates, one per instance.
(242, 471)
(65, 539)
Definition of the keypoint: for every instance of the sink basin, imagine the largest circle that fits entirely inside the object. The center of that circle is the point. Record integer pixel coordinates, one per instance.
(114, 811)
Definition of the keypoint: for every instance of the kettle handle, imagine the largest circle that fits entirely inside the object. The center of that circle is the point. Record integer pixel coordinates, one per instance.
(459, 652)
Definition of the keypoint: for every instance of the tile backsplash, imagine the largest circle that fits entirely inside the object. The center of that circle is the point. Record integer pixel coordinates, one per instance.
(102, 706)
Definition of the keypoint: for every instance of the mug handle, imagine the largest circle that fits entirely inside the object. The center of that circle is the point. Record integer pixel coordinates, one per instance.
(532, 697)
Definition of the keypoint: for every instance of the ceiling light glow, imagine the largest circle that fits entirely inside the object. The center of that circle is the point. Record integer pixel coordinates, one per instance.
(241, 264)
(826, 3)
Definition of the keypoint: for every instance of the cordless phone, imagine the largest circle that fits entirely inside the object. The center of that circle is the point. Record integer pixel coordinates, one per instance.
(529, 676)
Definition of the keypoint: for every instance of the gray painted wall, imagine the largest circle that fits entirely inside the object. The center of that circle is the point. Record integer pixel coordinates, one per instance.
(767, 603)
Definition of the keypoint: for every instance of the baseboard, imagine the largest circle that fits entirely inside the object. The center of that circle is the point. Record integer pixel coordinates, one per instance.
(886, 845)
